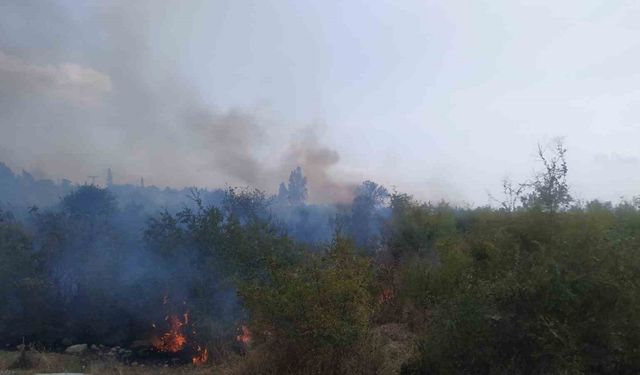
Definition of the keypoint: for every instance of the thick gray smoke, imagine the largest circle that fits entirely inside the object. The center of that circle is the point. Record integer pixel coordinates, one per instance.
(93, 85)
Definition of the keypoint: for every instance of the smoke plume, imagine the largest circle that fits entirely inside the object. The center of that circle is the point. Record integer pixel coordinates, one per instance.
(86, 87)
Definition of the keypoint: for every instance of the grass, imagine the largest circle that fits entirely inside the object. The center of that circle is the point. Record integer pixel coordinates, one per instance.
(389, 346)
(56, 363)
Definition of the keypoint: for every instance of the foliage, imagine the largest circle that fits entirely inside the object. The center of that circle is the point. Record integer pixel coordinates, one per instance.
(295, 194)
(16, 269)
(27, 308)
(297, 187)
(521, 294)
(550, 190)
(541, 285)
(413, 229)
(318, 307)
(366, 218)
(90, 201)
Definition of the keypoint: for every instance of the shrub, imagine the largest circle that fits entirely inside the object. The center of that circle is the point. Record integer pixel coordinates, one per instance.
(525, 294)
(313, 313)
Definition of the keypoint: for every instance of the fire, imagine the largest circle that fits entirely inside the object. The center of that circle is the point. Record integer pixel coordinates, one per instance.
(202, 355)
(245, 336)
(174, 340)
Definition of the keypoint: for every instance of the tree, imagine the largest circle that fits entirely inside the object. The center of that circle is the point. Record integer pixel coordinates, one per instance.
(365, 222)
(283, 193)
(550, 190)
(297, 190)
(547, 191)
(89, 200)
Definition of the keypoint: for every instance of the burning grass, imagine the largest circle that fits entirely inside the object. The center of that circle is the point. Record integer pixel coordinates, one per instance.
(382, 352)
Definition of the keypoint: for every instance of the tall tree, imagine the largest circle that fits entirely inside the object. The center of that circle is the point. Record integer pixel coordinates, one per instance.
(283, 193)
(297, 187)
(365, 221)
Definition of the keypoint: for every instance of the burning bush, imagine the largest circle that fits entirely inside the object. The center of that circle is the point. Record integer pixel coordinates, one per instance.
(178, 335)
(174, 339)
(211, 249)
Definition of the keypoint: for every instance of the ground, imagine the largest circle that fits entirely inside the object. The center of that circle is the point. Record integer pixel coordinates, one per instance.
(396, 341)
(55, 362)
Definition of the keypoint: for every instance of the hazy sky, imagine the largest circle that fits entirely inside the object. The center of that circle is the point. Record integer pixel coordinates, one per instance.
(438, 98)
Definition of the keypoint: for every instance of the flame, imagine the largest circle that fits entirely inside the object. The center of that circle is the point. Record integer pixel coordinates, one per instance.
(202, 355)
(245, 336)
(174, 340)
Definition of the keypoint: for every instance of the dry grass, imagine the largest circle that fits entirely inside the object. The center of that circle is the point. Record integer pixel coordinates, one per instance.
(42, 362)
(383, 353)
(55, 362)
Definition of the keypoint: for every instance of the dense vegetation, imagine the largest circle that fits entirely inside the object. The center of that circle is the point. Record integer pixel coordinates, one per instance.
(542, 284)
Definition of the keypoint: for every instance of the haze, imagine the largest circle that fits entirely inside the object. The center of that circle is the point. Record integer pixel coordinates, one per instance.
(441, 99)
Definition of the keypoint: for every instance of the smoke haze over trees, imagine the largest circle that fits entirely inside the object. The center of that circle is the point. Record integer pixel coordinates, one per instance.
(105, 111)
(137, 88)
(282, 187)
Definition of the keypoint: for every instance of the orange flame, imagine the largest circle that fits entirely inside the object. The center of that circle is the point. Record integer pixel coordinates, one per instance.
(245, 336)
(174, 340)
(202, 355)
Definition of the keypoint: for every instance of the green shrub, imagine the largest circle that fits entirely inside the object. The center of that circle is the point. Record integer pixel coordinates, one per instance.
(531, 292)
(313, 312)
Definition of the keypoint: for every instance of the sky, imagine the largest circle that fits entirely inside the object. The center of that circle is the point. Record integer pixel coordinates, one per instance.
(441, 99)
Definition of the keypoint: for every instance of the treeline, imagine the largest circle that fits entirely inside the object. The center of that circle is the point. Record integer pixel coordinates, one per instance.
(20, 192)
(540, 285)
(92, 270)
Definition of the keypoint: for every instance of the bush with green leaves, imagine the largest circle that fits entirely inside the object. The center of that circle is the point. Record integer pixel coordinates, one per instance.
(531, 292)
(314, 312)
(413, 228)
(212, 250)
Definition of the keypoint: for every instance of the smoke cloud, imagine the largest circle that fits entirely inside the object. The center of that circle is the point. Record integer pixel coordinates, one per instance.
(86, 87)
(317, 160)
(69, 81)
